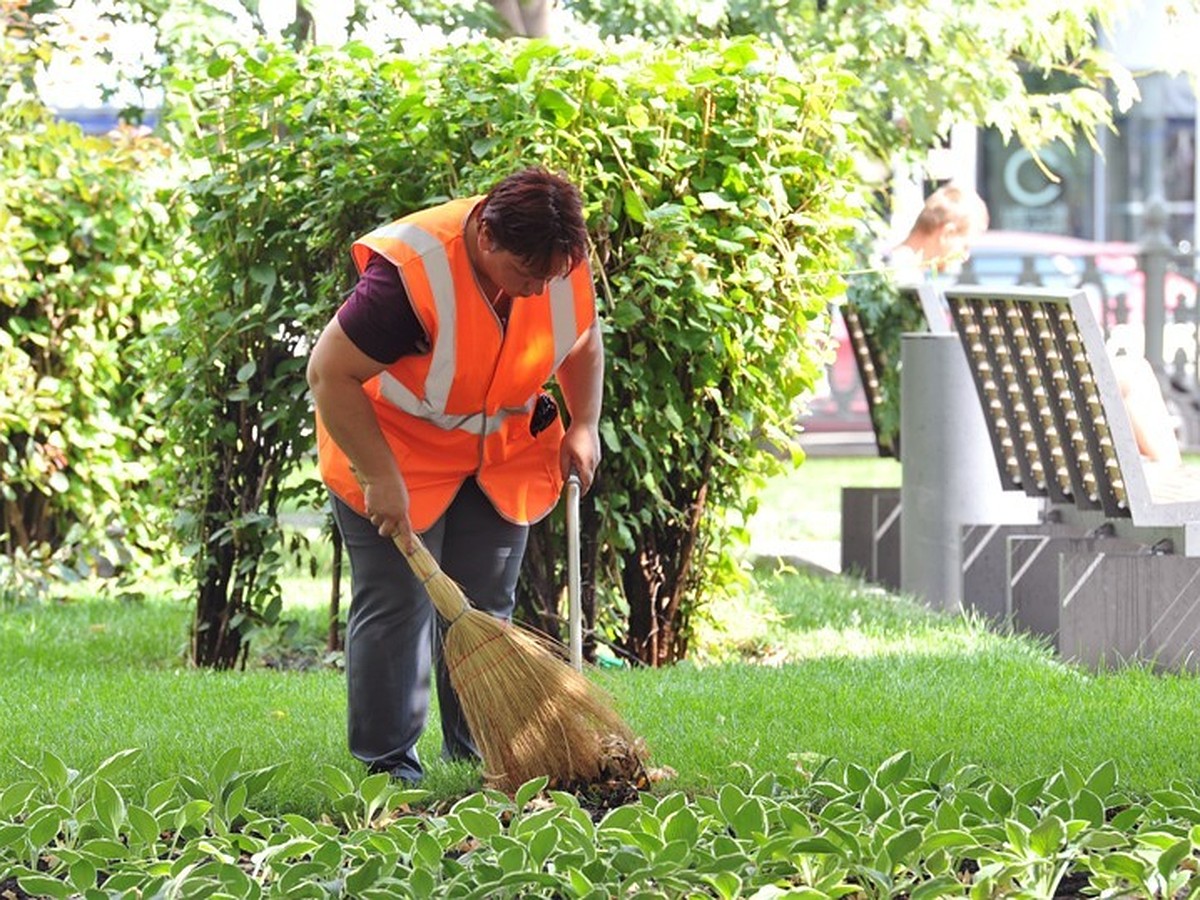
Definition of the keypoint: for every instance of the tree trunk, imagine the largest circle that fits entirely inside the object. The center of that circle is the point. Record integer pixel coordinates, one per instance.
(589, 564)
(215, 644)
(655, 581)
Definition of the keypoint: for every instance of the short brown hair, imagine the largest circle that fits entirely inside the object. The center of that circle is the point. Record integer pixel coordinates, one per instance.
(537, 215)
(952, 204)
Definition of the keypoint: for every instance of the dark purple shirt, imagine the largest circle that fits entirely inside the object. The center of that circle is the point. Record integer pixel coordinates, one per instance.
(378, 317)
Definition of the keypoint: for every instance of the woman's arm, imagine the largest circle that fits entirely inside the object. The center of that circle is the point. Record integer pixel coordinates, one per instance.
(337, 370)
(581, 377)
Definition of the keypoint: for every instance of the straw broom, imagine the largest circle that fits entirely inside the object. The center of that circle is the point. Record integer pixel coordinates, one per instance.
(530, 713)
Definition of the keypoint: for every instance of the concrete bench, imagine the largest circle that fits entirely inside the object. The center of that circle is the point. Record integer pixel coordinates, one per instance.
(1122, 578)
(870, 516)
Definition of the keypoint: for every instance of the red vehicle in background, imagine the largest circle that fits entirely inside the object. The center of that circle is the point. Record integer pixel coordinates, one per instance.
(1109, 271)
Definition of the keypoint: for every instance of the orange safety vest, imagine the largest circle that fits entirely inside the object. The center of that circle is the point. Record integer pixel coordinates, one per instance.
(464, 407)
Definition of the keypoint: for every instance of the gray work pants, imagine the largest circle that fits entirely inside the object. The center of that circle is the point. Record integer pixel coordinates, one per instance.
(391, 641)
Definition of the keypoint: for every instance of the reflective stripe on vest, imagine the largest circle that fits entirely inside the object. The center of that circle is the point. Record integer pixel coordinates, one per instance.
(445, 350)
(462, 408)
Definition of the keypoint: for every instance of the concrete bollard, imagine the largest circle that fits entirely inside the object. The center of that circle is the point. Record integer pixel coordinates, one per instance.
(948, 470)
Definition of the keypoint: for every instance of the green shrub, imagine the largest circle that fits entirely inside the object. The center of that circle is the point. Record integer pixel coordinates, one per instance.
(293, 154)
(87, 226)
(718, 192)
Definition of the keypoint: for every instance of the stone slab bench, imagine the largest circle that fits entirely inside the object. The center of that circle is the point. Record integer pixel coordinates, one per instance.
(1060, 431)
(870, 516)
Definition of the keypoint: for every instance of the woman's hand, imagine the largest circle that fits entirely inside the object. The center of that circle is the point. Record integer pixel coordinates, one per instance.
(580, 453)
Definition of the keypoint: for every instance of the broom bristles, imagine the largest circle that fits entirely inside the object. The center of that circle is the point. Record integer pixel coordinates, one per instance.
(530, 713)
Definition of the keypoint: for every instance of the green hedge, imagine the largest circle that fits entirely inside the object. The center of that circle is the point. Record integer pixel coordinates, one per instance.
(719, 192)
(87, 227)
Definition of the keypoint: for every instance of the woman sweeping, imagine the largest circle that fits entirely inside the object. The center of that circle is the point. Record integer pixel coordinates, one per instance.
(432, 421)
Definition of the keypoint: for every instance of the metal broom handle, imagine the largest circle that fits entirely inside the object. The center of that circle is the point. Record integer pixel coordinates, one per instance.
(574, 605)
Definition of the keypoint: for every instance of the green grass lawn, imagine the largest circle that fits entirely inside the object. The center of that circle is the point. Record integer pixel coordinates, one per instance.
(798, 665)
(816, 667)
(794, 670)
(805, 504)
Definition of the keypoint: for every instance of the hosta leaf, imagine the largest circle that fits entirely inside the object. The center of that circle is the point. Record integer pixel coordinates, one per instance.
(580, 883)
(296, 878)
(1073, 778)
(427, 850)
(874, 803)
(110, 807)
(11, 834)
(542, 844)
(54, 771)
(44, 824)
(529, 790)
(816, 845)
(43, 886)
(1000, 799)
(727, 884)
(14, 798)
(227, 763)
(894, 768)
(159, 794)
(670, 804)
(951, 839)
(335, 781)
(362, 877)
(621, 818)
(750, 819)
(143, 824)
(942, 886)
(1089, 807)
(1124, 865)
(480, 824)
(512, 859)
(236, 802)
(1170, 858)
(681, 825)
(857, 778)
(1030, 791)
(371, 788)
(1017, 836)
(422, 883)
(947, 816)
(1103, 839)
(900, 846)
(939, 767)
(1159, 840)
(1103, 779)
(731, 797)
(674, 853)
(626, 861)
(533, 879)
(191, 813)
(117, 763)
(1047, 837)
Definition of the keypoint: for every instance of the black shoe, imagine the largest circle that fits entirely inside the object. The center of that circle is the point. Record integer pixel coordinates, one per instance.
(401, 774)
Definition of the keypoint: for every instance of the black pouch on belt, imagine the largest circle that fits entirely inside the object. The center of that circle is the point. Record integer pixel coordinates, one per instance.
(545, 411)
